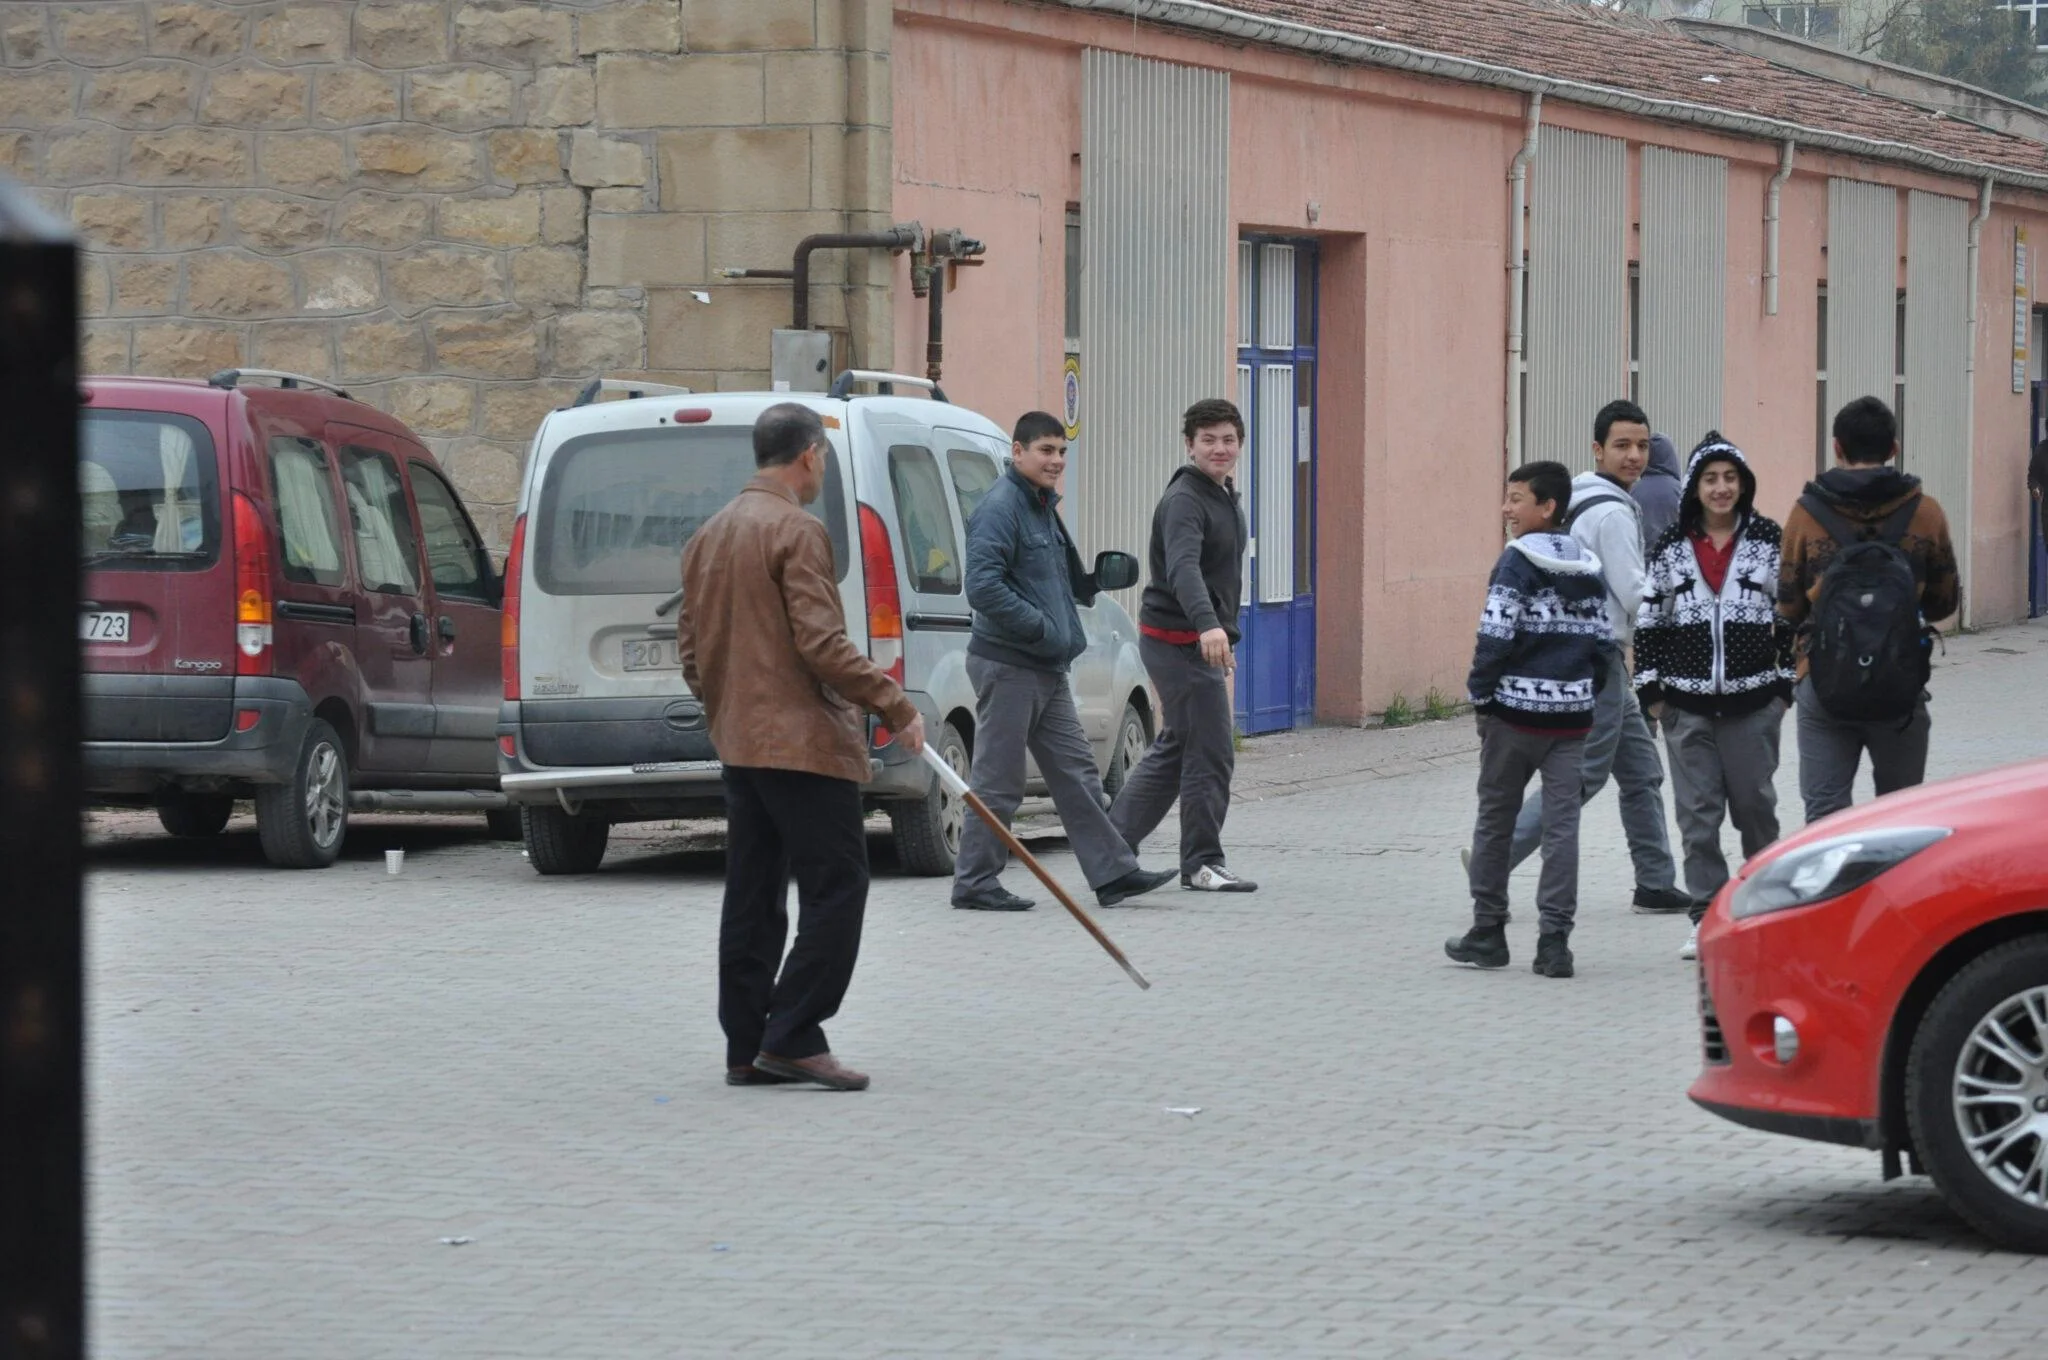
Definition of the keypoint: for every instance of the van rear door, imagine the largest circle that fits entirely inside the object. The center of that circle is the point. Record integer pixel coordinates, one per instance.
(600, 680)
(158, 578)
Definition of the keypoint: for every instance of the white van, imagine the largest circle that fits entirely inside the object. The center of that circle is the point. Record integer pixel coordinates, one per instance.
(597, 726)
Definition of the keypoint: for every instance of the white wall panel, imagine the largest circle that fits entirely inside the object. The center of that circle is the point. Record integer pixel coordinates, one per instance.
(1273, 456)
(1684, 309)
(1863, 284)
(1155, 281)
(1578, 292)
(1933, 446)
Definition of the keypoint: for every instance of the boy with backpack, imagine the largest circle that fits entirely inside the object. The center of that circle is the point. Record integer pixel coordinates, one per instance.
(1867, 566)
(1543, 652)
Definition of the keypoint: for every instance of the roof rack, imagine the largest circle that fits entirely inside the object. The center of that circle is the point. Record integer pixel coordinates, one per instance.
(231, 378)
(632, 387)
(885, 383)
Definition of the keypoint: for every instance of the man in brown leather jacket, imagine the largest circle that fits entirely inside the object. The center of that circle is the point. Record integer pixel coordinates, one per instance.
(764, 645)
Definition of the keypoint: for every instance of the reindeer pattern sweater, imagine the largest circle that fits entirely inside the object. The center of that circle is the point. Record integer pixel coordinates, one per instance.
(1544, 638)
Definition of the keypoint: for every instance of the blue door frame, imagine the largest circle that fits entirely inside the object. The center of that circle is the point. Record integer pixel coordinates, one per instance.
(1276, 365)
(2037, 551)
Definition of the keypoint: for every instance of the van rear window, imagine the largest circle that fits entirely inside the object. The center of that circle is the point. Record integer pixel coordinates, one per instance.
(148, 491)
(616, 508)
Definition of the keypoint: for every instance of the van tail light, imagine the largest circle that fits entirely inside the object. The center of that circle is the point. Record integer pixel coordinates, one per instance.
(508, 629)
(885, 603)
(253, 631)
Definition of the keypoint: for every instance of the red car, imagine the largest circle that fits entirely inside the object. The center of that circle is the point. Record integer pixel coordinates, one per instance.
(1880, 980)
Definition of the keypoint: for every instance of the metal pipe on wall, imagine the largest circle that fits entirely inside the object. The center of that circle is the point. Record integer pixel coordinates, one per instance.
(1975, 255)
(1518, 242)
(894, 239)
(1772, 199)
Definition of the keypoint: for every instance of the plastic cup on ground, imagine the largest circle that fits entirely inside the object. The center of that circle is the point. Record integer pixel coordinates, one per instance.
(394, 861)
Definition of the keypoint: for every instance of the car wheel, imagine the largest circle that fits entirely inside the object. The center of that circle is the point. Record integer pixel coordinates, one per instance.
(302, 822)
(505, 823)
(1977, 1094)
(928, 830)
(1132, 741)
(558, 843)
(196, 815)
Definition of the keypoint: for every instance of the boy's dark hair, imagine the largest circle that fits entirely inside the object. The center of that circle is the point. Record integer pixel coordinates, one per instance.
(1867, 431)
(1210, 411)
(1547, 482)
(1033, 426)
(783, 432)
(1617, 413)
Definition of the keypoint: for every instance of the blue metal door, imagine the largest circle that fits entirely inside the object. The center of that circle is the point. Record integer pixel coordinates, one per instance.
(2037, 550)
(1276, 389)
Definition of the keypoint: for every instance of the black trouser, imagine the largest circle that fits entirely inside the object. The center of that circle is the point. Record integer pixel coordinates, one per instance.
(779, 823)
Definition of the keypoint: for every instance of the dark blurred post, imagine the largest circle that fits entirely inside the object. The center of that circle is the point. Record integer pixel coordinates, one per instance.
(42, 1126)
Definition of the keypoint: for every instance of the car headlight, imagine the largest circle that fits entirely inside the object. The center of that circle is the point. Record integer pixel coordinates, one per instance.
(1825, 869)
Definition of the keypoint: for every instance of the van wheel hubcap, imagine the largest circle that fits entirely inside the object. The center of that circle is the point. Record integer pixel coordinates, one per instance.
(952, 808)
(1133, 746)
(323, 794)
(2001, 1096)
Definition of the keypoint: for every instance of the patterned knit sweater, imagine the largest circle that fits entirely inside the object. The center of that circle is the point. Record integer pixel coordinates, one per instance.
(1544, 637)
(1722, 654)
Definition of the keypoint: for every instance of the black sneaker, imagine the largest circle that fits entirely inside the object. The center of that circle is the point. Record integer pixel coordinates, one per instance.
(1481, 946)
(1553, 955)
(1136, 883)
(1660, 901)
(997, 898)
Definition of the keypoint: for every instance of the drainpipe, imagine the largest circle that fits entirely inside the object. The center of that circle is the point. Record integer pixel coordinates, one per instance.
(1771, 200)
(1970, 387)
(1518, 241)
(894, 239)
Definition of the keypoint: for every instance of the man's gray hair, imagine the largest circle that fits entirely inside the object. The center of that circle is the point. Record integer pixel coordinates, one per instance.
(783, 432)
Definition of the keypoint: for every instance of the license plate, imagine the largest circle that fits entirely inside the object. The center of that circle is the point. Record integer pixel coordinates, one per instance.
(652, 654)
(105, 626)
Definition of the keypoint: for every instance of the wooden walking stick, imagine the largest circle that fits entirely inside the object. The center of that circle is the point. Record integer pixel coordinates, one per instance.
(952, 780)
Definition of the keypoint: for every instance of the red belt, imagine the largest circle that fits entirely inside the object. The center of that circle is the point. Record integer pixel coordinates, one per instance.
(1179, 637)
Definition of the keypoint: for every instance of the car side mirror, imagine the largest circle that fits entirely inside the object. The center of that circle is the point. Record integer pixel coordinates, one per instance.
(1115, 571)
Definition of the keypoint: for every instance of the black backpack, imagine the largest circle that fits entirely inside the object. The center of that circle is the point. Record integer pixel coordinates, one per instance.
(1867, 652)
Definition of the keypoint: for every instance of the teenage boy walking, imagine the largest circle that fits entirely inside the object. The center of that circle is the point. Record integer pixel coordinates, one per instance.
(1863, 500)
(1187, 624)
(1023, 577)
(1540, 660)
(1608, 525)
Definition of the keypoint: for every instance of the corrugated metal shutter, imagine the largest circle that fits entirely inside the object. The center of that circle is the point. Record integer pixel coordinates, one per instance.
(1155, 281)
(1578, 293)
(1685, 251)
(1273, 455)
(1937, 354)
(1863, 292)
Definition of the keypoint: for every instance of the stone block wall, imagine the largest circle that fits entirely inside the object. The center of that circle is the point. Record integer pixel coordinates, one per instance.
(461, 209)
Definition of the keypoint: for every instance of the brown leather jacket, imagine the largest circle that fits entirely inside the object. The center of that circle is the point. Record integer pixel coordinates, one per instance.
(764, 645)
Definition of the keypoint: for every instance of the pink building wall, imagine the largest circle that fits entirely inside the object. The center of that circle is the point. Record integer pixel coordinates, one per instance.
(1410, 181)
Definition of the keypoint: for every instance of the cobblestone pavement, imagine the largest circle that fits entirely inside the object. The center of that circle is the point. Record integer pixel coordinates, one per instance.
(303, 1084)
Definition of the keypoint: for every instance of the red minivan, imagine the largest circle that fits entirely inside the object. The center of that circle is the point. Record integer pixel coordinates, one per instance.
(285, 600)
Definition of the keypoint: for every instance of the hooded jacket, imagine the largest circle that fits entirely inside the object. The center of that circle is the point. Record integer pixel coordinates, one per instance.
(1610, 527)
(1865, 495)
(1657, 491)
(1725, 653)
(1543, 638)
(1196, 556)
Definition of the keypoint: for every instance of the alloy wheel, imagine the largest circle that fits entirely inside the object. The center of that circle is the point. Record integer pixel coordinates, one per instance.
(2000, 1095)
(324, 794)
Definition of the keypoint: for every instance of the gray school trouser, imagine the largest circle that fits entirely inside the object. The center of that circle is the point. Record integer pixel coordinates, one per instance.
(1018, 709)
(1508, 759)
(1829, 749)
(1192, 759)
(1620, 743)
(1722, 764)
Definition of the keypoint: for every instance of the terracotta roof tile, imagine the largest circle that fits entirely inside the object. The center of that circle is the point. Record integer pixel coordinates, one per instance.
(1577, 42)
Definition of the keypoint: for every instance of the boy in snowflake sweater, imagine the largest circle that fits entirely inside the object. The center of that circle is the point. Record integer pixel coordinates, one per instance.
(1544, 641)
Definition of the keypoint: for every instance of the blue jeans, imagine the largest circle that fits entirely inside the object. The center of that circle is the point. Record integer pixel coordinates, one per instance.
(1619, 744)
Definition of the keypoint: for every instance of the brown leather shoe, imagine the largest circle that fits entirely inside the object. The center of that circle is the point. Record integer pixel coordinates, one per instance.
(754, 1076)
(824, 1069)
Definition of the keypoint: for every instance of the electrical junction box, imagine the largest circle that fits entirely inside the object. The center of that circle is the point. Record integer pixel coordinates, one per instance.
(802, 359)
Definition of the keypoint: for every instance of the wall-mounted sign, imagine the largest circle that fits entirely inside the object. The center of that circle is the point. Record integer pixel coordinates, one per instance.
(1070, 400)
(2022, 290)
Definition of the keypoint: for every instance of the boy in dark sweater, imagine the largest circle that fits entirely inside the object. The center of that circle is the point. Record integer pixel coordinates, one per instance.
(1543, 642)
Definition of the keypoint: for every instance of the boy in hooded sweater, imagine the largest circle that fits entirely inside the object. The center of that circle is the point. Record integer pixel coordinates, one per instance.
(1544, 642)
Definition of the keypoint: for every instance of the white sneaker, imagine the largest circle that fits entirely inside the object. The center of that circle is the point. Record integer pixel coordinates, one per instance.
(1216, 878)
(1692, 944)
(1465, 858)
